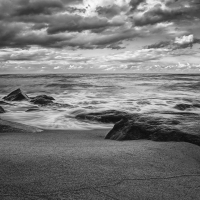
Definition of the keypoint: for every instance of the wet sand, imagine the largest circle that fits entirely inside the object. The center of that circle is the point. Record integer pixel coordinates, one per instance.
(78, 164)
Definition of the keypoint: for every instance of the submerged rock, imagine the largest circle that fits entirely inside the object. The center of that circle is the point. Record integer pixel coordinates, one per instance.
(44, 97)
(41, 101)
(156, 129)
(16, 95)
(32, 109)
(2, 110)
(186, 106)
(5, 103)
(110, 116)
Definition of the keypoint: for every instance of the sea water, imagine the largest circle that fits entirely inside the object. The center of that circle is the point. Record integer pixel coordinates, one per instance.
(86, 93)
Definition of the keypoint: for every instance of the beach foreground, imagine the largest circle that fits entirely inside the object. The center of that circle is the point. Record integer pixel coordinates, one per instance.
(77, 164)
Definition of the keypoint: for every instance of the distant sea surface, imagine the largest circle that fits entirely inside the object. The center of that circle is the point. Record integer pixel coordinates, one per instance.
(82, 93)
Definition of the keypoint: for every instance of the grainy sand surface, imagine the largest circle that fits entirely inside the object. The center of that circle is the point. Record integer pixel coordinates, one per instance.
(57, 165)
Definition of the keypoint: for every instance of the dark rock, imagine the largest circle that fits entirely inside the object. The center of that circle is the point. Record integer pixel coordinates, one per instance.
(44, 97)
(186, 106)
(2, 110)
(61, 105)
(33, 109)
(41, 101)
(110, 116)
(156, 129)
(5, 103)
(196, 105)
(10, 127)
(17, 95)
(182, 106)
(179, 113)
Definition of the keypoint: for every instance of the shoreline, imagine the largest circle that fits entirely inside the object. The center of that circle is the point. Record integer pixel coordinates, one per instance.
(83, 165)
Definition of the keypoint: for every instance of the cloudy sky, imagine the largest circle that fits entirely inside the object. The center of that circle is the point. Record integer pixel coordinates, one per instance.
(99, 36)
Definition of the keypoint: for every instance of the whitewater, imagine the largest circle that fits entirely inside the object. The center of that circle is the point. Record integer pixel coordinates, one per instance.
(86, 93)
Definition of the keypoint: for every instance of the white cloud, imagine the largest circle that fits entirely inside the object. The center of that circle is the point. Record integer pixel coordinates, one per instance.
(184, 39)
(57, 67)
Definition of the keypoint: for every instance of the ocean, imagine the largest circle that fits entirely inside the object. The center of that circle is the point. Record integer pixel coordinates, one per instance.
(86, 93)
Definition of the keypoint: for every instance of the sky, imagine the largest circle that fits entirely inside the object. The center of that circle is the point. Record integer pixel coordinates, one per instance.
(99, 36)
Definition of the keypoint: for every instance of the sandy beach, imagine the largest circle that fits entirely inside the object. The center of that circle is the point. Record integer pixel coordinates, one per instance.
(76, 164)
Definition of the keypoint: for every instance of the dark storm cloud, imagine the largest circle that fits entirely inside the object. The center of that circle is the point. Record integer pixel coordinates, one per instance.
(22, 56)
(164, 11)
(73, 23)
(27, 7)
(109, 11)
(157, 14)
(117, 46)
(8, 33)
(23, 23)
(161, 44)
(12, 35)
(10, 8)
(135, 3)
(60, 23)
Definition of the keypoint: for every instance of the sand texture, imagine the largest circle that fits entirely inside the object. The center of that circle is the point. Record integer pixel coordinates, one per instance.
(57, 165)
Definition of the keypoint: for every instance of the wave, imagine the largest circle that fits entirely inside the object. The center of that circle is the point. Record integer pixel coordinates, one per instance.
(82, 93)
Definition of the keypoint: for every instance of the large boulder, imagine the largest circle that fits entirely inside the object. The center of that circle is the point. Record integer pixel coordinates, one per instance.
(2, 110)
(156, 129)
(110, 116)
(16, 95)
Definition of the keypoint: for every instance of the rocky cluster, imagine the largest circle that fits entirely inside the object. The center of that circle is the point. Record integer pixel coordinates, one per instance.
(141, 126)
(19, 95)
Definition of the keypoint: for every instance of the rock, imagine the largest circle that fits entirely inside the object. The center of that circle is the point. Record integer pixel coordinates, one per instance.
(19, 95)
(2, 110)
(156, 129)
(186, 106)
(44, 97)
(33, 109)
(182, 106)
(110, 116)
(196, 105)
(8, 127)
(16, 95)
(41, 101)
(5, 103)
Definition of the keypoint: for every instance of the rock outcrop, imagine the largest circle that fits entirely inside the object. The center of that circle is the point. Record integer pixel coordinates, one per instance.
(16, 95)
(2, 110)
(156, 129)
(144, 126)
(19, 95)
(110, 116)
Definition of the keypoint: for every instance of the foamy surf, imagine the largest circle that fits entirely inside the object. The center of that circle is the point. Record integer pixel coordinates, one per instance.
(76, 94)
